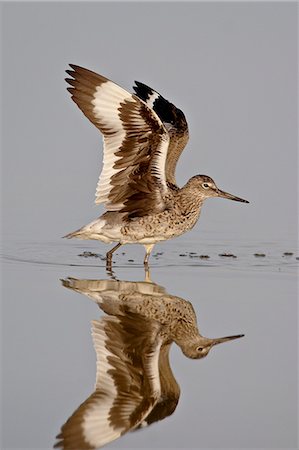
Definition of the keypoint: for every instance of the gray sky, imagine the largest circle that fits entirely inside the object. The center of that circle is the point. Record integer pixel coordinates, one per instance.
(231, 67)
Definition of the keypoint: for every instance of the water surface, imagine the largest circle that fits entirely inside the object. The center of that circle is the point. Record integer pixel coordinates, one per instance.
(243, 395)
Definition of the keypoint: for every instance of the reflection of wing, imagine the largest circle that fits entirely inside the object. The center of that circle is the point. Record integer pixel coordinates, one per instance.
(170, 391)
(135, 144)
(127, 383)
(174, 121)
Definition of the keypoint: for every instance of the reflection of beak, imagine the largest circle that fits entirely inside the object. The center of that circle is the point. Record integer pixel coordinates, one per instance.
(226, 339)
(230, 196)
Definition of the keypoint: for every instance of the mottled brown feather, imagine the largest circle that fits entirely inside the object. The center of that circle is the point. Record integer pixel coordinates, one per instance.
(136, 188)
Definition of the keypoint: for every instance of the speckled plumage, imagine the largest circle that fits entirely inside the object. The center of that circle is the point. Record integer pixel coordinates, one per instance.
(144, 136)
(151, 301)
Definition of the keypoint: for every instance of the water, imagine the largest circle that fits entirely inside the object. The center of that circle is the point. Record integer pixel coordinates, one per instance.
(243, 395)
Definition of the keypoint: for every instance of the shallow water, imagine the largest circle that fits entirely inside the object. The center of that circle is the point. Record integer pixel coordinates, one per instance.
(243, 395)
(227, 254)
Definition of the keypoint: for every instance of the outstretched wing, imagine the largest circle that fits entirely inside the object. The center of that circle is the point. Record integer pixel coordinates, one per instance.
(135, 144)
(127, 384)
(174, 121)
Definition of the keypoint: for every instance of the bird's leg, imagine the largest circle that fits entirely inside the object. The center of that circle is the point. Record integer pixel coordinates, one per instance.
(148, 249)
(110, 273)
(147, 274)
(109, 256)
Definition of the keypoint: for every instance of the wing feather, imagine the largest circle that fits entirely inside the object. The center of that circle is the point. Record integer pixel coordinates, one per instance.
(127, 383)
(174, 121)
(136, 142)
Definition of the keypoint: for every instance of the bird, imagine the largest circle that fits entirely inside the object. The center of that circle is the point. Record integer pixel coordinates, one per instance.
(135, 385)
(143, 137)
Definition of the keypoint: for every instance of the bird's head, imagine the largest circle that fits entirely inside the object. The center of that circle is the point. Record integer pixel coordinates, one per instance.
(208, 188)
(200, 346)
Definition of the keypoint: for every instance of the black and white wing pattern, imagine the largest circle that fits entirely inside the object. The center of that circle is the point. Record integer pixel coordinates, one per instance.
(127, 383)
(174, 121)
(136, 142)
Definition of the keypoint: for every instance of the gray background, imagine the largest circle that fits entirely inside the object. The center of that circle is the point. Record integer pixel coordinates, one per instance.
(231, 67)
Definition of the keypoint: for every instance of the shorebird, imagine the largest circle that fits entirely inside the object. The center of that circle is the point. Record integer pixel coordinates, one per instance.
(144, 136)
(135, 385)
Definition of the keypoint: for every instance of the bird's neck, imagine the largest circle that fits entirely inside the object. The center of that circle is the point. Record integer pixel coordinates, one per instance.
(190, 198)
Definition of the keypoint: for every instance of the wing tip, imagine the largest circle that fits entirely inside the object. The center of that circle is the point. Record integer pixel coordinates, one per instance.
(59, 443)
(138, 84)
(143, 91)
(76, 68)
(71, 72)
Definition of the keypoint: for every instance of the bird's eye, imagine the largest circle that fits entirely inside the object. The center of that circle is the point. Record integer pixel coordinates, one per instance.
(205, 185)
(199, 349)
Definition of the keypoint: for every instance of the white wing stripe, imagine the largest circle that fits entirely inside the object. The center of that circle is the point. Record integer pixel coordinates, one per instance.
(152, 98)
(94, 434)
(160, 161)
(107, 100)
(154, 371)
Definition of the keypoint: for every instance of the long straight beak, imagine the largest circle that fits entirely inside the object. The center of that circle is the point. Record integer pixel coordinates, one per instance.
(230, 196)
(227, 338)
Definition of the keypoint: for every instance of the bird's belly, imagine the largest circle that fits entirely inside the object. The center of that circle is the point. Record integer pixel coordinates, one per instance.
(156, 228)
(150, 240)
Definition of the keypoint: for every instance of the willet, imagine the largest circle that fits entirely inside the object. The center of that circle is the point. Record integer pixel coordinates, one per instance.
(135, 385)
(144, 136)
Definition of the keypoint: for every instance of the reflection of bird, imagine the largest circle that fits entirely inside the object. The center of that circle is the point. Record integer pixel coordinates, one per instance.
(151, 301)
(144, 135)
(135, 385)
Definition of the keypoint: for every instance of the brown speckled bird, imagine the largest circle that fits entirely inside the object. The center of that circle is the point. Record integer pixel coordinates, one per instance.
(135, 385)
(144, 136)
